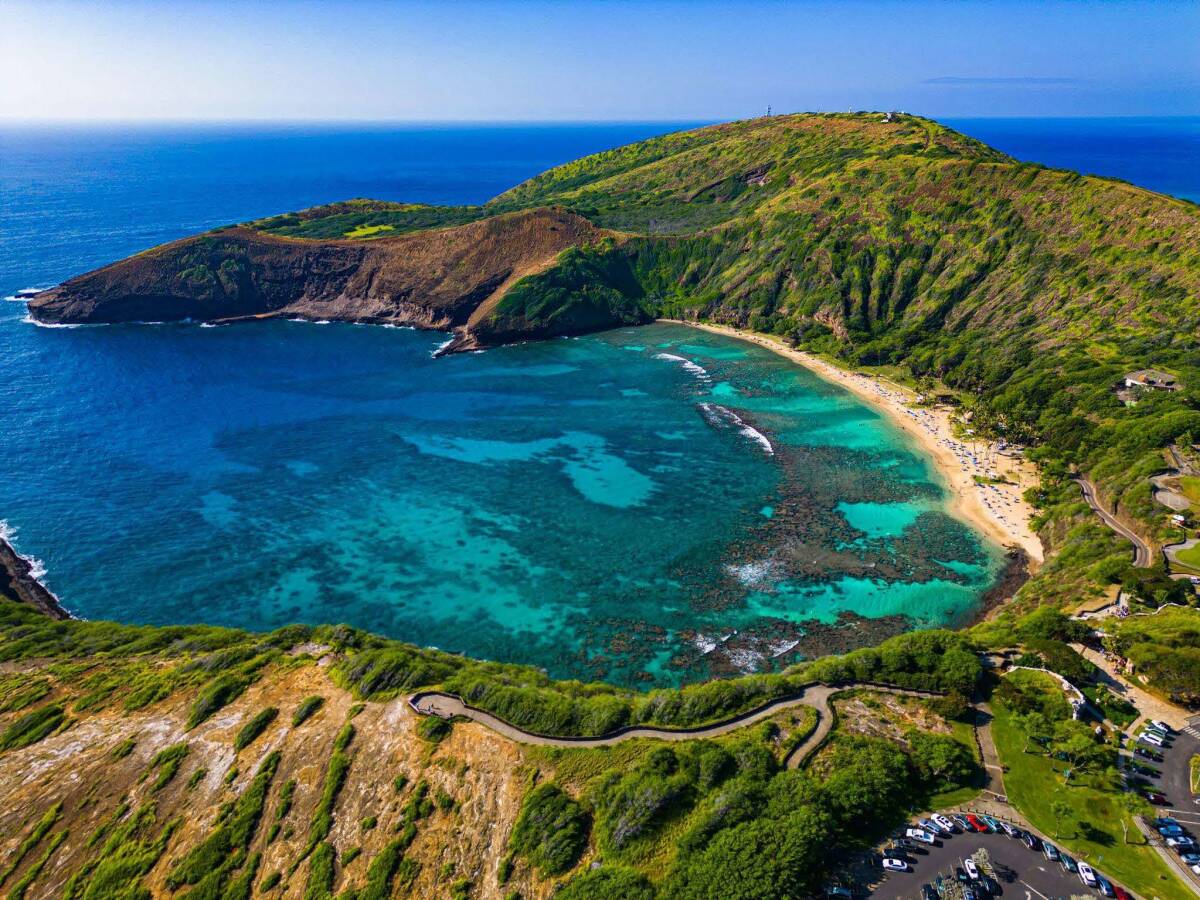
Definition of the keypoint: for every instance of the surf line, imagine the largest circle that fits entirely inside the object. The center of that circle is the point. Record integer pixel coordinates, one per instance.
(717, 415)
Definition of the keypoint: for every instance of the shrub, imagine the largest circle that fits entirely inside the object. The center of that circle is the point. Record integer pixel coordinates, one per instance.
(32, 727)
(607, 883)
(551, 831)
(218, 693)
(249, 732)
(306, 708)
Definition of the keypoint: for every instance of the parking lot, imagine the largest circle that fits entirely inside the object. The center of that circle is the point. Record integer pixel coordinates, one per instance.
(1021, 873)
(1174, 784)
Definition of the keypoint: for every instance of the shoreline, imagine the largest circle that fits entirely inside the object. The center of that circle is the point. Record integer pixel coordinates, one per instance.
(17, 580)
(996, 510)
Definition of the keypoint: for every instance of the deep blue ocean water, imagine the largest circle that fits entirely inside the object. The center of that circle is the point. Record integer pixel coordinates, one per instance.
(646, 505)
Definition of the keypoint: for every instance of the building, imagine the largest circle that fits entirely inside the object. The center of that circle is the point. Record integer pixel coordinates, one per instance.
(1152, 379)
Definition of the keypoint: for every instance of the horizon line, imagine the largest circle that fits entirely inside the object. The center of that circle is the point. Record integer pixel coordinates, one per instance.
(253, 120)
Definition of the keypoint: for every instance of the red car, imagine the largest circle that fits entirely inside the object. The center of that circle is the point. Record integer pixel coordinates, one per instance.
(1121, 893)
(1156, 798)
(976, 824)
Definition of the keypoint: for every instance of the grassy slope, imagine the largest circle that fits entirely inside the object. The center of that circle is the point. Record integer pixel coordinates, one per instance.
(1092, 830)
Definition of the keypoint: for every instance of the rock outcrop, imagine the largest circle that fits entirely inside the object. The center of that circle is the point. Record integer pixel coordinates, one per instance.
(441, 279)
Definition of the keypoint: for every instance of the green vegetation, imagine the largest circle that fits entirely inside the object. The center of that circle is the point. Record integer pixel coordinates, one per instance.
(130, 851)
(249, 732)
(32, 727)
(31, 840)
(31, 874)
(307, 707)
(124, 748)
(434, 729)
(366, 219)
(166, 763)
(551, 831)
(212, 863)
(1087, 812)
(335, 778)
(1165, 649)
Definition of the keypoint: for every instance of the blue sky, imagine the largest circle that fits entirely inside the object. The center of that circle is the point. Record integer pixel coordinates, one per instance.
(592, 60)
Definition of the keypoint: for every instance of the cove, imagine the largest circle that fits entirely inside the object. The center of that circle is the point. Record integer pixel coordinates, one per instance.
(646, 506)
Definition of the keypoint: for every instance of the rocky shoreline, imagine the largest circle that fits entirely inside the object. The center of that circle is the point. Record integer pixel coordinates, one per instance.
(17, 580)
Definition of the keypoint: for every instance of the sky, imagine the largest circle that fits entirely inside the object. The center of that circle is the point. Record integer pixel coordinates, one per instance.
(593, 60)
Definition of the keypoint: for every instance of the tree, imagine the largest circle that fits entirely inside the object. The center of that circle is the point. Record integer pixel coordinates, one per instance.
(1133, 804)
(1059, 808)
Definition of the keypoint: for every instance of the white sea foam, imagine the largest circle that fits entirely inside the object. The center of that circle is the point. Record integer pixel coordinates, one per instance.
(209, 325)
(30, 320)
(699, 371)
(715, 413)
(37, 568)
(746, 661)
(752, 573)
(778, 648)
(442, 346)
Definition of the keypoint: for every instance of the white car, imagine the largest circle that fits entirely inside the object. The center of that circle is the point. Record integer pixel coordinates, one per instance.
(971, 869)
(1088, 875)
(1180, 842)
(1152, 739)
(894, 865)
(920, 834)
(1162, 726)
(945, 823)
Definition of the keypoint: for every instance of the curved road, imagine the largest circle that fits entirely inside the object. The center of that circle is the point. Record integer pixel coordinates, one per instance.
(1142, 556)
(814, 696)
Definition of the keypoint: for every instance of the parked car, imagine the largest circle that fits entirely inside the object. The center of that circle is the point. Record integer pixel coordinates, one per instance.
(1150, 738)
(838, 892)
(992, 823)
(1147, 754)
(947, 824)
(1162, 726)
(932, 827)
(1010, 830)
(1121, 893)
(928, 893)
(1180, 843)
(1105, 886)
(1067, 863)
(1170, 830)
(1030, 841)
(895, 865)
(1165, 820)
(1190, 857)
(962, 822)
(1050, 850)
(976, 823)
(1155, 797)
(1088, 875)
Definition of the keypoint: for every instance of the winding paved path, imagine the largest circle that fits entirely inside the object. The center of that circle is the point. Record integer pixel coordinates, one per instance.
(1142, 556)
(815, 696)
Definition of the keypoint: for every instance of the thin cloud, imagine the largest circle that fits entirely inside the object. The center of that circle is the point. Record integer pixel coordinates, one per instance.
(1020, 79)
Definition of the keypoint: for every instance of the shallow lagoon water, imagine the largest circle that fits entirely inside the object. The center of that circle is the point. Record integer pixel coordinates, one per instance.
(606, 506)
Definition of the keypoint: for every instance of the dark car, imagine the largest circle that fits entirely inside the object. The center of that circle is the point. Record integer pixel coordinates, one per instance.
(1155, 797)
(928, 893)
(1146, 753)
(1030, 841)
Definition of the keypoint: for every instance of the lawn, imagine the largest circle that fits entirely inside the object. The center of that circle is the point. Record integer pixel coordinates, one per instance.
(1092, 829)
(1190, 557)
(1190, 485)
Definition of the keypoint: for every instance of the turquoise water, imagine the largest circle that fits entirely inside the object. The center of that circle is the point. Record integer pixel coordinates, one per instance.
(647, 505)
(572, 504)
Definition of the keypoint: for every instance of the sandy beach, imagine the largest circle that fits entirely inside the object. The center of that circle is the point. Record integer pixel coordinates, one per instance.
(997, 510)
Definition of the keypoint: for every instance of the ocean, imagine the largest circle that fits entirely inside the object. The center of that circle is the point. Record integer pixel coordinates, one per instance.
(646, 506)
